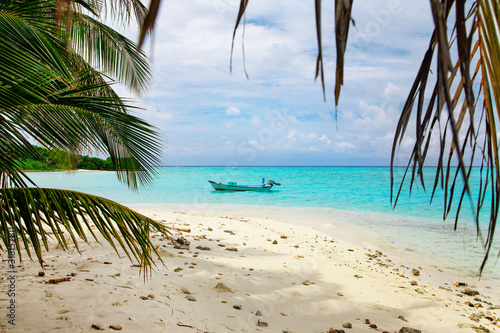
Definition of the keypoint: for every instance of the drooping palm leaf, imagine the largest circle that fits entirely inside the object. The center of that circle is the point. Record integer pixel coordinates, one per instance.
(148, 24)
(343, 9)
(241, 14)
(476, 68)
(319, 60)
(35, 215)
(79, 122)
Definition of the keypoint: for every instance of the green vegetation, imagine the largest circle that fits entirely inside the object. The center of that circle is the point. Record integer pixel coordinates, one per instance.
(51, 160)
(95, 163)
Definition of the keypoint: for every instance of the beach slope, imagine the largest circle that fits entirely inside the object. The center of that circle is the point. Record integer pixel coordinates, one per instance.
(242, 274)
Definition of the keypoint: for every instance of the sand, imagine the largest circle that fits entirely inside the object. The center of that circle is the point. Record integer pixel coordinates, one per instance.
(257, 271)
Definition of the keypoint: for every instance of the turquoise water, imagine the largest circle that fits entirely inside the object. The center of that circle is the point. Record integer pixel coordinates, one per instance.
(353, 197)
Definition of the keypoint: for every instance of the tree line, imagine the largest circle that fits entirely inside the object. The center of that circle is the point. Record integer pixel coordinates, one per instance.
(52, 159)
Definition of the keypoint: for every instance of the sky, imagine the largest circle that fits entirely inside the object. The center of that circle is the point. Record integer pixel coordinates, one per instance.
(209, 115)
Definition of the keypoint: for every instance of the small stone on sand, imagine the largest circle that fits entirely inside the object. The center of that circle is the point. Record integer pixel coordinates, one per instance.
(262, 323)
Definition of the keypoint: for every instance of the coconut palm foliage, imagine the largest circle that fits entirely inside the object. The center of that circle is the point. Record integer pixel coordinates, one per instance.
(55, 88)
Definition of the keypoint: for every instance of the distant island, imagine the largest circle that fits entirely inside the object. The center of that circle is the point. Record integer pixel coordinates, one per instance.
(53, 160)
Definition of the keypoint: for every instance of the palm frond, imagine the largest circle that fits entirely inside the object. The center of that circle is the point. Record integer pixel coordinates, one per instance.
(343, 9)
(115, 54)
(478, 70)
(148, 24)
(62, 102)
(319, 60)
(53, 95)
(125, 10)
(119, 10)
(241, 14)
(32, 214)
(79, 122)
(12, 141)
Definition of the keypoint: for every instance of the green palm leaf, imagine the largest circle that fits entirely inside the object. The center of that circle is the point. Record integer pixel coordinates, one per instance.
(51, 94)
(111, 51)
(31, 213)
(74, 109)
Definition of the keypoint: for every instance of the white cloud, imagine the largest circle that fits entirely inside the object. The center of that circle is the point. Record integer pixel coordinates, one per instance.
(312, 136)
(345, 145)
(232, 111)
(256, 121)
(391, 90)
(291, 134)
(325, 139)
(194, 91)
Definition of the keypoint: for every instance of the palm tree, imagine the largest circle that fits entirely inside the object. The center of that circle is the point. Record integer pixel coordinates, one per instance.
(467, 138)
(52, 93)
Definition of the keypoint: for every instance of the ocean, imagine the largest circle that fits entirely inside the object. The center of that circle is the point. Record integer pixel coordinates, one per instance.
(353, 199)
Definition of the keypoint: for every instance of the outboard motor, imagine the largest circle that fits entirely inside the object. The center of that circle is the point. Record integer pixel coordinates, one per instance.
(272, 182)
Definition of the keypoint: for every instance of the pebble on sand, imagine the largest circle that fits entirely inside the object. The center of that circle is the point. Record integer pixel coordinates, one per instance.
(98, 327)
(262, 323)
(409, 330)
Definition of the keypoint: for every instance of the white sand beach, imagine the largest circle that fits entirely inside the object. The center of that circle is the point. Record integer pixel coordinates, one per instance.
(246, 274)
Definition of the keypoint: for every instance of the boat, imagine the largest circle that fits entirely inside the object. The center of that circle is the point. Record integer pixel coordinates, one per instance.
(233, 186)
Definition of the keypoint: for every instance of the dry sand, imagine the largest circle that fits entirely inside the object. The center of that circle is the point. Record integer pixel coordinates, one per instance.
(292, 278)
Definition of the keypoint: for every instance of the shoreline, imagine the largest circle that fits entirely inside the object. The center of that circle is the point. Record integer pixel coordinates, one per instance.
(292, 277)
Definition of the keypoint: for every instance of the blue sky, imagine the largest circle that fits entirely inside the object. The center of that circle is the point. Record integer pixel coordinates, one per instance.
(209, 116)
